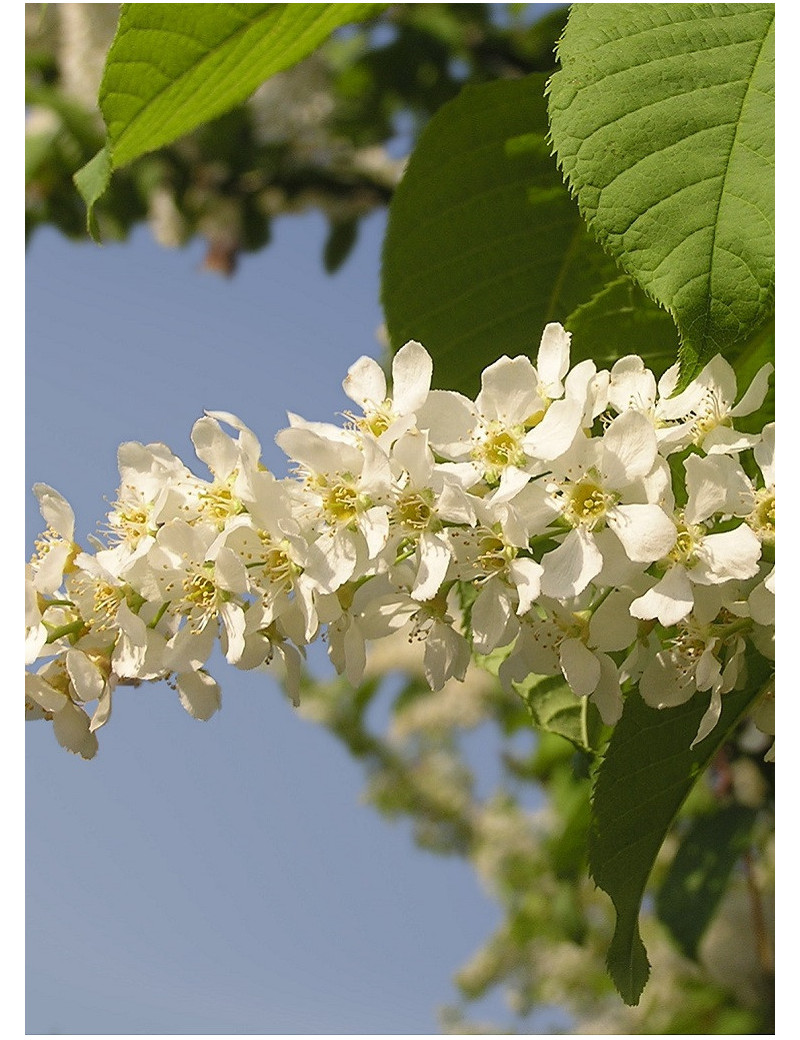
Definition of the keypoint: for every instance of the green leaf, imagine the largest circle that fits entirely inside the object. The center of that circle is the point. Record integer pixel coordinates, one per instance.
(618, 314)
(556, 709)
(647, 772)
(662, 117)
(339, 244)
(91, 181)
(697, 877)
(484, 245)
(172, 67)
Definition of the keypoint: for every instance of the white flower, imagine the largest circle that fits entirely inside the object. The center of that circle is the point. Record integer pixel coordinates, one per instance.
(603, 482)
(345, 489)
(48, 695)
(514, 423)
(387, 417)
(706, 406)
(155, 487)
(231, 461)
(55, 549)
(698, 558)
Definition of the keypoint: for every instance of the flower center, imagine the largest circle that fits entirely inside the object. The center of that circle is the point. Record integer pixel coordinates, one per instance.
(586, 505)
(200, 599)
(494, 555)
(340, 502)
(219, 503)
(279, 569)
(376, 422)
(500, 448)
(129, 524)
(683, 549)
(415, 509)
(762, 519)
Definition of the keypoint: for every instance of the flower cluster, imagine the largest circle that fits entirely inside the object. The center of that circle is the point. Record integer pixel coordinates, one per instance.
(592, 523)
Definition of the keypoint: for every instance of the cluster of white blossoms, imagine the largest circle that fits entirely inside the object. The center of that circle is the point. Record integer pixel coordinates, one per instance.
(592, 523)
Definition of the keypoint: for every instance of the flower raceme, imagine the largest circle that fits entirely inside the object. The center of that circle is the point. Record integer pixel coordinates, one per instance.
(582, 522)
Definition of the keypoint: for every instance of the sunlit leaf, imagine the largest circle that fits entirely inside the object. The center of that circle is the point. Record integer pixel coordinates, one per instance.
(662, 116)
(172, 67)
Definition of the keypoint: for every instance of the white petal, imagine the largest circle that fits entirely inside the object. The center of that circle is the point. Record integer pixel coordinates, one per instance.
(709, 719)
(35, 641)
(450, 419)
(556, 432)
(726, 556)
(754, 395)
(214, 447)
(102, 713)
(552, 361)
(607, 694)
(131, 646)
(646, 532)
(716, 484)
(84, 675)
(50, 572)
(57, 512)
(447, 655)
(569, 568)
(248, 443)
(661, 685)
(42, 693)
(669, 601)
(414, 455)
(629, 449)
(365, 383)
(229, 571)
(526, 575)
(508, 391)
(71, 727)
(199, 693)
(374, 525)
(234, 621)
(317, 453)
(765, 454)
(332, 560)
(611, 626)
(631, 385)
(580, 667)
(412, 370)
(492, 615)
(434, 558)
(723, 440)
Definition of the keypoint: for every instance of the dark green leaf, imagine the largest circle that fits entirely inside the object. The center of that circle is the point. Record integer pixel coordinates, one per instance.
(484, 245)
(699, 873)
(663, 121)
(341, 239)
(647, 772)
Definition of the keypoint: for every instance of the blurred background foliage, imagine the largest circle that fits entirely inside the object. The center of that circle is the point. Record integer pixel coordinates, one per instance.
(333, 133)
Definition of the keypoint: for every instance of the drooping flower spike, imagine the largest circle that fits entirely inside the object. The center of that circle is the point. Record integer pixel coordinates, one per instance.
(585, 523)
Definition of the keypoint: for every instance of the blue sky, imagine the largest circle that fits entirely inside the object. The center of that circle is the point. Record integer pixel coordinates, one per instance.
(217, 877)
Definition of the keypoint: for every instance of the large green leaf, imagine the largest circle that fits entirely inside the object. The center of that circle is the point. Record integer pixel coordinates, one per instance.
(662, 117)
(484, 245)
(172, 67)
(697, 877)
(647, 772)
